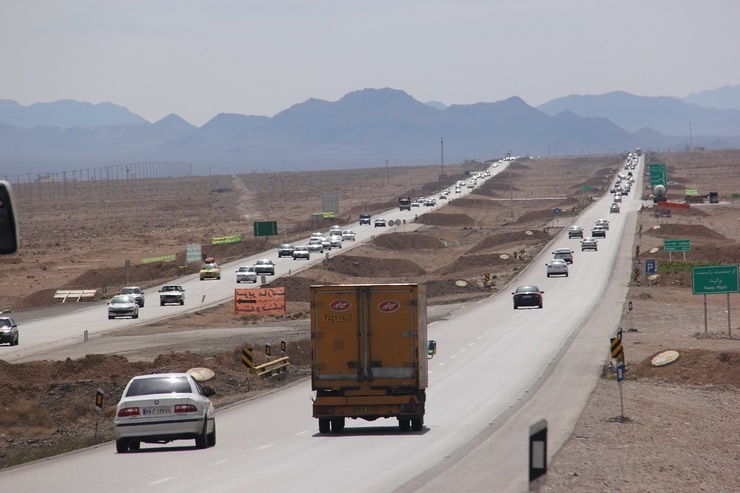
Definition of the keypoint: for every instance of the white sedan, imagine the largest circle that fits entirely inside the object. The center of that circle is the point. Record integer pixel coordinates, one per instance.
(349, 235)
(164, 407)
(557, 267)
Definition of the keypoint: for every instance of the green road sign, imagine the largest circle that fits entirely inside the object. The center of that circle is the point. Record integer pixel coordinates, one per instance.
(715, 279)
(265, 228)
(585, 188)
(676, 245)
(657, 174)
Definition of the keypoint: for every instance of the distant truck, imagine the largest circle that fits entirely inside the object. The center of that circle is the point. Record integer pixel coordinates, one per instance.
(369, 354)
(404, 203)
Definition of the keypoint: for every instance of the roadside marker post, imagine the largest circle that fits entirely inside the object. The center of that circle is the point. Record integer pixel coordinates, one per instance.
(537, 455)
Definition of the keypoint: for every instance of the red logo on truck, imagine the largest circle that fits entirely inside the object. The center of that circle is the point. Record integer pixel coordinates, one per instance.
(389, 306)
(340, 305)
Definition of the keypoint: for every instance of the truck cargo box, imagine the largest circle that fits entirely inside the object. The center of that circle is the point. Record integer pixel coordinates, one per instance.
(369, 353)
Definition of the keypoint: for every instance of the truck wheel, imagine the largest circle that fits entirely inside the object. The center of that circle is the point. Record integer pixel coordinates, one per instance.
(324, 425)
(404, 424)
(337, 425)
(161, 303)
(417, 423)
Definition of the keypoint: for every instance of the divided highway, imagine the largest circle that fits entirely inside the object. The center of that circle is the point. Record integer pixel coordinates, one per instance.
(497, 371)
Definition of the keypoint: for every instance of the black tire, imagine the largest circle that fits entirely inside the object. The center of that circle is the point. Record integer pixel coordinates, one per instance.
(15, 340)
(515, 307)
(182, 302)
(566, 274)
(211, 438)
(201, 441)
(417, 423)
(404, 424)
(548, 275)
(142, 305)
(540, 305)
(337, 425)
(122, 446)
(161, 303)
(324, 425)
(136, 315)
(134, 445)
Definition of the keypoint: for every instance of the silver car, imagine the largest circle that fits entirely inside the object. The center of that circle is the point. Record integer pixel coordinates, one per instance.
(164, 407)
(246, 273)
(123, 305)
(557, 267)
(8, 331)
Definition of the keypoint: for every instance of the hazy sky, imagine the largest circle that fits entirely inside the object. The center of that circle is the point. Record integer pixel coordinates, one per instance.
(200, 58)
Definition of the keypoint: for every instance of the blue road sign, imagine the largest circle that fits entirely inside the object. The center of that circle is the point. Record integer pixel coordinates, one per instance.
(620, 373)
(556, 211)
(650, 266)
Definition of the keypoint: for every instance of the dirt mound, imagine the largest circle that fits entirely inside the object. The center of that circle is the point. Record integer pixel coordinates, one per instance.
(694, 367)
(374, 267)
(518, 237)
(442, 219)
(296, 287)
(481, 262)
(698, 231)
(407, 241)
(471, 202)
(439, 289)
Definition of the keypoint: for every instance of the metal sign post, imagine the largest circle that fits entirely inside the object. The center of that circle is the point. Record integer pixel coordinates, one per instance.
(537, 455)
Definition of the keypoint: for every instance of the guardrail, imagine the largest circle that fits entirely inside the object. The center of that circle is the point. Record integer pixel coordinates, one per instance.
(74, 294)
(271, 368)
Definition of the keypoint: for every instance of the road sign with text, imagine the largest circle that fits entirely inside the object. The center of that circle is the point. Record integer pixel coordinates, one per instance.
(715, 279)
(677, 245)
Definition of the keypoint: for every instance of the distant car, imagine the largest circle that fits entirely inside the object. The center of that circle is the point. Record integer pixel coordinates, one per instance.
(364, 219)
(316, 245)
(247, 273)
(8, 331)
(618, 197)
(415, 203)
(264, 267)
(336, 241)
(614, 208)
(557, 267)
(598, 232)
(285, 250)
(380, 223)
(123, 305)
(164, 407)
(527, 296)
(575, 232)
(171, 294)
(136, 292)
(589, 244)
(210, 270)
(326, 243)
(458, 190)
(318, 235)
(335, 230)
(302, 252)
(603, 222)
(349, 235)
(564, 254)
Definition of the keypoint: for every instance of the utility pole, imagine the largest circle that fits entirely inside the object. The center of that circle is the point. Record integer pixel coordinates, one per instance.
(442, 158)
(511, 184)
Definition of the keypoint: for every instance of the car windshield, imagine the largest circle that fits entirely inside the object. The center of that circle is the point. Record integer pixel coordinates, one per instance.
(171, 288)
(121, 299)
(159, 385)
(4, 322)
(130, 290)
(527, 289)
(210, 266)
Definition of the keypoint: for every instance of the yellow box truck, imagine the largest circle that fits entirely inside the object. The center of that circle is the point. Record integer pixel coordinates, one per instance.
(369, 354)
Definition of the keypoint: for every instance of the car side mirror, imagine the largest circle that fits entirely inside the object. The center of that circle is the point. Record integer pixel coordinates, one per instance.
(209, 391)
(8, 222)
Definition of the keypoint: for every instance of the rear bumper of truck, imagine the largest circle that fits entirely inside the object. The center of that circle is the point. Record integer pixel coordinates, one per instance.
(369, 407)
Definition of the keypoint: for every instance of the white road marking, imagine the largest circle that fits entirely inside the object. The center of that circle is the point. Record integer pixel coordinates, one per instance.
(163, 480)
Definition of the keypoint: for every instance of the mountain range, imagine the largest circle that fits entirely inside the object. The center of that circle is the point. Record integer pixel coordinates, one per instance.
(365, 128)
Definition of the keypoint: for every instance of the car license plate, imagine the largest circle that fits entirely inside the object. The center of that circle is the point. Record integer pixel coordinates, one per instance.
(366, 409)
(156, 410)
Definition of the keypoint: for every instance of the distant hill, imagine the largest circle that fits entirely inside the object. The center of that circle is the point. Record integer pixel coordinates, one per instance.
(669, 116)
(723, 98)
(362, 129)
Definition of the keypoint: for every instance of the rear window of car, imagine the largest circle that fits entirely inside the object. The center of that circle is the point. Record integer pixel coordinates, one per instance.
(163, 385)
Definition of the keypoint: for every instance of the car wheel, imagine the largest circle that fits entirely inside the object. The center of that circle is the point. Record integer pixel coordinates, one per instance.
(540, 305)
(15, 340)
(515, 307)
(212, 436)
(293, 258)
(142, 305)
(182, 302)
(134, 445)
(324, 425)
(122, 446)
(110, 317)
(136, 315)
(566, 274)
(201, 441)
(161, 303)
(548, 275)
